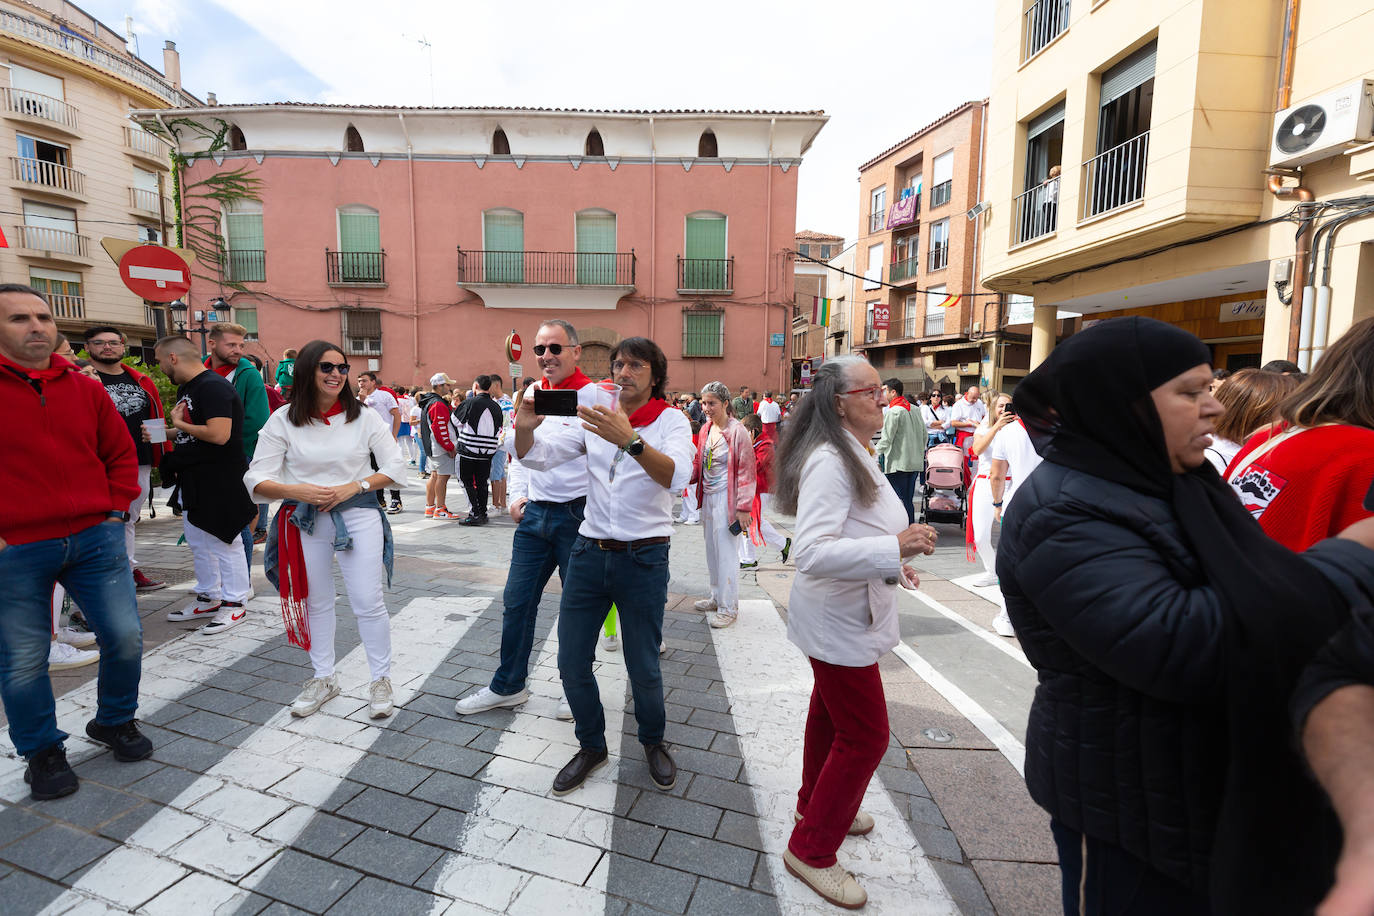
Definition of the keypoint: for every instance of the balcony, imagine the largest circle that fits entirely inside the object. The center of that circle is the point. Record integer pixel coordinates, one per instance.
(355, 268)
(146, 146)
(904, 270)
(23, 105)
(143, 200)
(877, 221)
(245, 266)
(1037, 212)
(52, 244)
(870, 333)
(935, 324)
(705, 276)
(547, 268)
(68, 307)
(940, 194)
(1043, 23)
(43, 175)
(909, 326)
(78, 48)
(1115, 178)
(939, 256)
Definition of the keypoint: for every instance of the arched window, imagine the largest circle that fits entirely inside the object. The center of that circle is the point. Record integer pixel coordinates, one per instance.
(353, 141)
(706, 146)
(594, 146)
(500, 146)
(236, 140)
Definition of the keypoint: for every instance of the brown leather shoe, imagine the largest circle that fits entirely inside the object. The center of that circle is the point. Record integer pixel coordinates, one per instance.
(578, 769)
(662, 770)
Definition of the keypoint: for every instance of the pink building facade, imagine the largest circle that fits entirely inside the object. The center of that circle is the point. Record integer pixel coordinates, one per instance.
(420, 238)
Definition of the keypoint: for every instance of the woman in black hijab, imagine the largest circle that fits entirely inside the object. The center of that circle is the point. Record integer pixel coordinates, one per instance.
(1167, 631)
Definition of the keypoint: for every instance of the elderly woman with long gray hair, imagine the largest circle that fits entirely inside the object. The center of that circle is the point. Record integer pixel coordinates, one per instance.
(724, 478)
(851, 538)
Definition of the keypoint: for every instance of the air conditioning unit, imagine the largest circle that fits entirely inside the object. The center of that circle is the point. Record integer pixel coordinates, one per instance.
(1321, 127)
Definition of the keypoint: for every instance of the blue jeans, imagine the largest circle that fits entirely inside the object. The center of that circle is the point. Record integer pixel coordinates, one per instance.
(247, 540)
(542, 544)
(94, 568)
(635, 580)
(424, 459)
(904, 483)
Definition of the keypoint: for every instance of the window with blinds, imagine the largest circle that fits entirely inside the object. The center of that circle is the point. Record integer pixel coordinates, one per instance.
(703, 332)
(362, 332)
(596, 247)
(503, 239)
(941, 178)
(245, 260)
(360, 244)
(704, 265)
(249, 319)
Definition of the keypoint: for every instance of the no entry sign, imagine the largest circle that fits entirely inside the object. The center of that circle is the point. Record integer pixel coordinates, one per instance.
(513, 347)
(155, 273)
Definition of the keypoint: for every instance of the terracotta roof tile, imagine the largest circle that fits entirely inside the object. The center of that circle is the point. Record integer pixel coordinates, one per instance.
(929, 127)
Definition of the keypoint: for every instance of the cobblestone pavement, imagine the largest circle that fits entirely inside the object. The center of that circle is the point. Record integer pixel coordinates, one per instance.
(242, 809)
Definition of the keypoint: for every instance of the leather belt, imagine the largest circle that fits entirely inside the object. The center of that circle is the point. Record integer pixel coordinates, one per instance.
(626, 545)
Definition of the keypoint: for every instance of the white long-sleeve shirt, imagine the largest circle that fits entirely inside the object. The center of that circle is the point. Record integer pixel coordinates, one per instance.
(324, 453)
(561, 482)
(633, 506)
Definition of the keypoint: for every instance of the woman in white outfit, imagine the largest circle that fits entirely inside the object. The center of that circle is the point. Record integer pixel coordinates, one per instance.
(313, 455)
(978, 529)
(724, 483)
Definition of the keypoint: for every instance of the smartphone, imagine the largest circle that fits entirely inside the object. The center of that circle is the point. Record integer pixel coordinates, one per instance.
(549, 402)
(735, 528)
(1009, 410)
(1369, 498)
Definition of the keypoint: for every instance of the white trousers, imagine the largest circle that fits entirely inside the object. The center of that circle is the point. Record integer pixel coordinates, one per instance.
(748, 550)
(145, 472)
(221, 569)
(981, 500)
(409, 451)
(722, 556)
(363, 575)
(691, 512)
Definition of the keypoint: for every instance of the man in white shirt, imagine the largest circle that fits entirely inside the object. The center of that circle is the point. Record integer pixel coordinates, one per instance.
(966, 414)
(390, 412)
(637, 457)
(1011, 455)
(770, 412)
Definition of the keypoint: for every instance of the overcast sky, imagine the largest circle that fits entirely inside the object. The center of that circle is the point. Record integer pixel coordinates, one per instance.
(880, 69)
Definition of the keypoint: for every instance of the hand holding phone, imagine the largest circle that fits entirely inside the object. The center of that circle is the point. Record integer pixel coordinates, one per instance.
(551, 402)
(735, 528)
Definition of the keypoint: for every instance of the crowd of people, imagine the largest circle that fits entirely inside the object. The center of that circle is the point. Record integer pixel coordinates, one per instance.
(1187, 559)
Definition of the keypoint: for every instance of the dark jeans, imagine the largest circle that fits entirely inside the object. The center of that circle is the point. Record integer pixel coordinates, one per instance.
(475, 474)
(381, 496)
(904, 483)
(93, 566)
(635, 580)
(542, 544)
(1117, 883)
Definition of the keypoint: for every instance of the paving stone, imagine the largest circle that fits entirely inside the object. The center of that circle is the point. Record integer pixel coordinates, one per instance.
(925, 811)
(326, 834)
(937, 842)
(963, 885)
(91, 806)
(104, 769)
(216, 700)
(129, 877)
(239, 807)
(450, 758)
(699, 700)
(25, 893)
(739, 829)
(691, 760)
(387, 810)
(659, 887)
(726, 743)
(713, 898)
(675, 712)
(17, 821)
(708, 858)
(903, 780)
(449, 730)
(301, 880)
(164, 785)
(706, 718)
(275, 691)
(169, 712)
(258, 712)
(385, 773)
(445, 828)
(191, 754)
(551, 856)
(722, 794)
(199, 893)
(692, 736)
(386, 854)
(57, 850)
(223, 851)
(207, 725)
(676, 814)
(391, 743)
(371, 897)
(449, 790)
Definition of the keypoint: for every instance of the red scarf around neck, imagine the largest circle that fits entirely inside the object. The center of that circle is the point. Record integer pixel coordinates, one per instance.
(900, 401)
(648, 413)
(222, 371)
(57, 367)
(333, 411)
(574, 382)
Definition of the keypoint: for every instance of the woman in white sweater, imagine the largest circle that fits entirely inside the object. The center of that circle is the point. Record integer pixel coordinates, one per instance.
(851, 539)
(313, 455)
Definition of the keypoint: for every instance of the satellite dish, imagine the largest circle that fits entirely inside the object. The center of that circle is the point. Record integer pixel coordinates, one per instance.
(1301, 129)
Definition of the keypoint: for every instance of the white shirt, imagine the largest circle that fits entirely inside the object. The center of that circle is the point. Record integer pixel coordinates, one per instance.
(633, 506)
(563, 481)
(843, 606)
(414, 415)
(1013, 445)
(383, 404)
(931, 417)
(769, 411)
(1222, 452)
(407, 405)
(324, 453)
(942, 413)
(963, 410)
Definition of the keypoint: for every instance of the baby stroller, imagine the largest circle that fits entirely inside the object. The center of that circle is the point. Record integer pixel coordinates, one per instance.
(942, 498)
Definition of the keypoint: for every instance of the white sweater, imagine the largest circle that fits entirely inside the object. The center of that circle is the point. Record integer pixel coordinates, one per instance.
(325, 453)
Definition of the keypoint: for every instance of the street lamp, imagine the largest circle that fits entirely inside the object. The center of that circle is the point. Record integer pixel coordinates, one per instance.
(179, 315)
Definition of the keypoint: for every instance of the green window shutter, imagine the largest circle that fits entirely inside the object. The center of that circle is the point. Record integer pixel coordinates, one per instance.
(702, 333)
(596, 248)
(246, 261)
(503, 237)
(705, 253)
(359, 232)
(245, 232)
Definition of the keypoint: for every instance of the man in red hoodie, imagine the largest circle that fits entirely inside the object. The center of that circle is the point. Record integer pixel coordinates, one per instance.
(73, 535)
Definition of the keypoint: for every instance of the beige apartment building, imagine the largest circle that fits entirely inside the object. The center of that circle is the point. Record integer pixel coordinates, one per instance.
(76, 169)
(917, 251)
(1158, 159)
(812, 343)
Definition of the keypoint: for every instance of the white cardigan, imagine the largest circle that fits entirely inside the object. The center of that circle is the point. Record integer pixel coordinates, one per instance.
(325, 453)
(843, 605)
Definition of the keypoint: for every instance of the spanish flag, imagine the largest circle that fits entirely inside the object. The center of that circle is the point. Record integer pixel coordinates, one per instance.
(820, 311)
(949, 302)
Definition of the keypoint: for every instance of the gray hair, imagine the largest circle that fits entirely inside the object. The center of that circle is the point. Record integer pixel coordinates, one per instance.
(814, 422)
(560, 323)
(720, 392)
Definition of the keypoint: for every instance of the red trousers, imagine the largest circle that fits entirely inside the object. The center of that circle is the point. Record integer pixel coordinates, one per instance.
(846, 737)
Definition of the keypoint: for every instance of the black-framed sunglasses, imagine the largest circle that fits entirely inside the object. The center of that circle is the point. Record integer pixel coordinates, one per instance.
(341, 368)
(552, 349)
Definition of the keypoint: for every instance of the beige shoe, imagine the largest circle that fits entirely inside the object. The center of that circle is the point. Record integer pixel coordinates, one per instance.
(863, 823)
(381, 701)
(833, 883)
(705, 604)
(722, 619)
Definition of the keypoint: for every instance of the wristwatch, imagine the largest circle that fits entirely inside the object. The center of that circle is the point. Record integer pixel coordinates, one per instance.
(364, 486)
(635, 447)
(997, 505)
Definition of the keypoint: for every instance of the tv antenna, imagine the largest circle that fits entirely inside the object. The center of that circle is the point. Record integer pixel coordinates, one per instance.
(423, 42)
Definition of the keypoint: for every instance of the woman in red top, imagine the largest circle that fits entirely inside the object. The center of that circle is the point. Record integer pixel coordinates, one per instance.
(1306, 480)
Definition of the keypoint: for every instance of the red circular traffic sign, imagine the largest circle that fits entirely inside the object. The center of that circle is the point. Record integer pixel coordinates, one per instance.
(513, 348)
(155, 273)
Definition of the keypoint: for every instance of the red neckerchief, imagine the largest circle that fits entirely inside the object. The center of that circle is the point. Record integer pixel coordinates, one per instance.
(57, 367)
(573, 382)
(648, 413)
(334, 411)
(223, 371)
(293, 580)
(900, 401)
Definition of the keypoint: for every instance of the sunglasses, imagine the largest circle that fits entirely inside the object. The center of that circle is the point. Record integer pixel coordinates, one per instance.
(341, 368)
(551, 349)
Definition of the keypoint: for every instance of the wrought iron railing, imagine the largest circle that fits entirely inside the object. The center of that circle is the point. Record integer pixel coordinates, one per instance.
(245, 265)
(1116, 177)
(48, 174)
(909, 325)
(1044, 22)
(870, 333)
(706, 275)
(57, 241)
(78, 47)
(905, 269)
(547, 268)
(940, 193)
(34, 105)
(939, 256)
(877, 220)
(1037, 212)
(349, 267)
(935, 324)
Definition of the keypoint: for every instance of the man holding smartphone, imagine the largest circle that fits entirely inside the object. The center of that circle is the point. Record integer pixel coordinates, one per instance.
(547, 524)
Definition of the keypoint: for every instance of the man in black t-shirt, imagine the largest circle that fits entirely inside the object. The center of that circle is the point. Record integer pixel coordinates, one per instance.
(136, 398)
(207, 467)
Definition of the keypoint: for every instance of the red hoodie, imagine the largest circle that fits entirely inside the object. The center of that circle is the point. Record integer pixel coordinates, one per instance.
(68, 445)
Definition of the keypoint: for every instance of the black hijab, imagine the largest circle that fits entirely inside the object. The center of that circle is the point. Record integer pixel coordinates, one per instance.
(1088, 407)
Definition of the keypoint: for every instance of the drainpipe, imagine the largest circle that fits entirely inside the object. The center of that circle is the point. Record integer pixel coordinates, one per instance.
(653, 224)
(1304, 296)
(767, 245)
(977, 234)
(1284, 96)
(1321, 317)
(414, 254)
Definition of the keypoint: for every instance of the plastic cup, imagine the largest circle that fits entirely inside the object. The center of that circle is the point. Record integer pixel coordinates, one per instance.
(157, 429)
(608, 395)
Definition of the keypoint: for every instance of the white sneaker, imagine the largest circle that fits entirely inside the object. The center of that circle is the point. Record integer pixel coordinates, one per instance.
(663, 648)
(78, 639)
(721, 619)
(202, 608)
(1001, 624)
(486, 698)
(380, 703)
(228, 617)
(317, 692)
(62, 656)
(610, 643)
(564, 710)
(984, 580)
(705, 604)
(691, 521)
